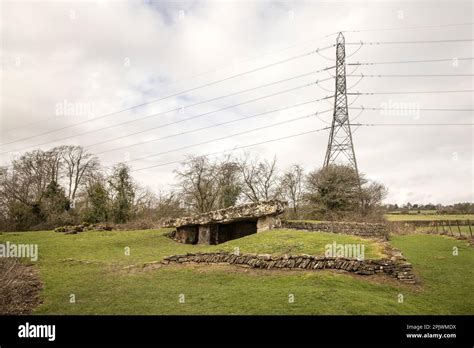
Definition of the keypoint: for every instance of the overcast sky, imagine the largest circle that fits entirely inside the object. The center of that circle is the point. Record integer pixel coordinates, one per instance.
(66, 64)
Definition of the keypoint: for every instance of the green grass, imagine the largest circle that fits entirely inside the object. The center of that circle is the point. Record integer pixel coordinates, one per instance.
(103, 286)
(424, 217)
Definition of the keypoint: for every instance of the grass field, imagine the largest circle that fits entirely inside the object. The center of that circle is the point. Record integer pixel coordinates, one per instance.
(93, 267)
(422, 211)
(424, 217)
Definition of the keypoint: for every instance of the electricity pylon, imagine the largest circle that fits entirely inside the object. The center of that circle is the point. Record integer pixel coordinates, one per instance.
(340, 138)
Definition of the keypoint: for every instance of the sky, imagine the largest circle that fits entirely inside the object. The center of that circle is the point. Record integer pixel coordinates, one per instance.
(94, 73)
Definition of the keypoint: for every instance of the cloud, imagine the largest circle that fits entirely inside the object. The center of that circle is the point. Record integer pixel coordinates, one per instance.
(98, 57)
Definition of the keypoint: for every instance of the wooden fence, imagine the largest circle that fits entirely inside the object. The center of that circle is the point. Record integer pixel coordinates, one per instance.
(447, 226)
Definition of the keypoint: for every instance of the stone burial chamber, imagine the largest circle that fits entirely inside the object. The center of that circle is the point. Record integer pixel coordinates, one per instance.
(219, 226)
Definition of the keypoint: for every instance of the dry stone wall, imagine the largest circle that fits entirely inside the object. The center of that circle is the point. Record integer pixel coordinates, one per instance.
(394, 267)
(431, 223)
(363, 229)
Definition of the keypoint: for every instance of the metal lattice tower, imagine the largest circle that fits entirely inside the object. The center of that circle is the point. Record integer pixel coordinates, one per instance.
(340, 138)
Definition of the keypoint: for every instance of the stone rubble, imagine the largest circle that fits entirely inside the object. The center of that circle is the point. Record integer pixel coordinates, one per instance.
(74, 229)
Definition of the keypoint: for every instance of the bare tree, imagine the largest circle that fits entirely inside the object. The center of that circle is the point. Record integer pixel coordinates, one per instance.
(292, 187)
(198, 182)
(259, 178)
(372, 196)
(79, 165)
(145, 200)
(168, 205)
(29, 190)
(55, 163)
(29, 177)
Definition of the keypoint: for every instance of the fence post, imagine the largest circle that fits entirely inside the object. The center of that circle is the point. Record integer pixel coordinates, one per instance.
(450, 229)
(436, 224)
(469, 224)
(459, 228)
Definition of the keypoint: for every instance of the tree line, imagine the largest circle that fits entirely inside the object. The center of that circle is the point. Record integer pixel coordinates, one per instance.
(334, 192)
(430, 208)
(68, 185)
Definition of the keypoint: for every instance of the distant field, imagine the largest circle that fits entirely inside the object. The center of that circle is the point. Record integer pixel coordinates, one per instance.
(412, 212)
(93, 267)
(424, 217)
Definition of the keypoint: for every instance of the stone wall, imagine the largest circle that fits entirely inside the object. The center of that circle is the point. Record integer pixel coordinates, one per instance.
(395, 267)
(363, 229)
(432, 223)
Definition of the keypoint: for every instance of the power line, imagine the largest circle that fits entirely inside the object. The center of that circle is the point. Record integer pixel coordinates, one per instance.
(387, 29)
(408, 28)
(238, 148)
(186, 106)
(421, 109)
(410, 124)
(300, 134)
(208, 113)
(410, 75)
(412, 61)
(176, 109)
(185, 79)
(411, 92)
(402, 75)
(176, 94)
(305, 43)
(228, 136)
(371, 43)
(378, 43)
(206, 127)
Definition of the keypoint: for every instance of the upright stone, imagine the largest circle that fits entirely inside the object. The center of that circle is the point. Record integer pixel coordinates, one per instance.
(208, 234)
(187, 234)
(266, 223)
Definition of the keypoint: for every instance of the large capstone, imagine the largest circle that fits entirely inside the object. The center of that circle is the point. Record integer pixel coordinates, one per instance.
(222, 225)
